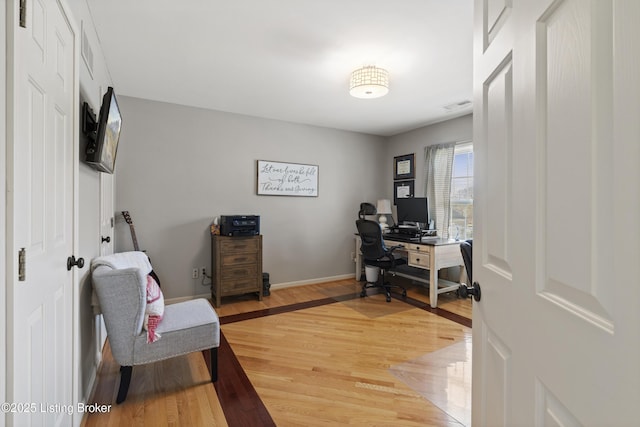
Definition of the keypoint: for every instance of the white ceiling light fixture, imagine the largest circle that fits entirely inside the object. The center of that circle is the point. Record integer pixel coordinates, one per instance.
(369, 82)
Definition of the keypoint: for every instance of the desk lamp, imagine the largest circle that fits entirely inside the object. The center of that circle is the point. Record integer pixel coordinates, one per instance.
(384, 208)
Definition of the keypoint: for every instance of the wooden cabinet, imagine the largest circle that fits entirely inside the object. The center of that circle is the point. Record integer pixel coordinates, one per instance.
(236, 265)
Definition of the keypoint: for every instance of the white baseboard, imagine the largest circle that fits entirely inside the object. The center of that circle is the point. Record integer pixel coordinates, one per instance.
(91, 389)
(183, 299)
(284, 285)
(274, 286)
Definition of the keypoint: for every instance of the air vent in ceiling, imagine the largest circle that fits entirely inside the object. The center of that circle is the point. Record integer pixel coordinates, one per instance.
(457, 106)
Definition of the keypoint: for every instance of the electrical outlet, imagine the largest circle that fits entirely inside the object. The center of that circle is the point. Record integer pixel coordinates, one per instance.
(195, 273)
(204, 271)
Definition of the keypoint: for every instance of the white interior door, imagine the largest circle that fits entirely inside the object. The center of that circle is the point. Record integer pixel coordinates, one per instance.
(556, 335)
(41, 215)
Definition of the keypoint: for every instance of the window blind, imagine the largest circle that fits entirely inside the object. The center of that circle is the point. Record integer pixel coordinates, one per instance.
(438, 163)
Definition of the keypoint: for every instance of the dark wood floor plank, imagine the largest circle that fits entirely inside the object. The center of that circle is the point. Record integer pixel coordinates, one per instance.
(464, 321)
(239, 400)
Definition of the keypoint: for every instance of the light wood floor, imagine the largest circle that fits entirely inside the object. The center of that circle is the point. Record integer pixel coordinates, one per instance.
(337, 364)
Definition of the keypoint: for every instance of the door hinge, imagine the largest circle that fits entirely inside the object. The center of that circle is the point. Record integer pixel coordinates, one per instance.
(23, 13)
(22, 264)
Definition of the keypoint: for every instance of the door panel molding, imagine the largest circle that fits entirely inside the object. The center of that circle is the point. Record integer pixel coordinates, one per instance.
(498, 124)
(574, 81)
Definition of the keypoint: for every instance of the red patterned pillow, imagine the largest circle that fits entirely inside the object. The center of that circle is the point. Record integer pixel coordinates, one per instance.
(154, 310)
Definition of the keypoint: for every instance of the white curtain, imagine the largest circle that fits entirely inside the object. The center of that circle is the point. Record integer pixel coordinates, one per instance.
(438, 166)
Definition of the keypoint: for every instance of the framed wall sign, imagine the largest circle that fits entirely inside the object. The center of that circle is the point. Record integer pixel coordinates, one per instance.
(404, 167)
(287, 179)
(403, 189)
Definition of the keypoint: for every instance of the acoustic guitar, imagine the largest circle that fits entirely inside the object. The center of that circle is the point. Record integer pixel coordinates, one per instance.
(127, 218)
(136, 247)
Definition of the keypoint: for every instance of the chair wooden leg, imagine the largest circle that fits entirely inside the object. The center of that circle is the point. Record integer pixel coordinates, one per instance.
(214, 364)
(125, 379)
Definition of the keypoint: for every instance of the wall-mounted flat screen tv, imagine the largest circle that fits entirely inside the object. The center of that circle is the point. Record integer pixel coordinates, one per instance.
(101, 151)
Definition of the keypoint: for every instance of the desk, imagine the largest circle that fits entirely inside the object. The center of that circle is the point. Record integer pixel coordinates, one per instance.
(430, 254)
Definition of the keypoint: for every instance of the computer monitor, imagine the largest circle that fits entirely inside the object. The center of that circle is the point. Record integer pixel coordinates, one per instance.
(413, 210)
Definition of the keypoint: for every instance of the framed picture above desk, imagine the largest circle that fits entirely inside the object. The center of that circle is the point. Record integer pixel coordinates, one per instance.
(403, 190)
(404, 167)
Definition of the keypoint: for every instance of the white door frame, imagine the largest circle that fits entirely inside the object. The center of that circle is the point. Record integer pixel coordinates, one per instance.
(3, 207)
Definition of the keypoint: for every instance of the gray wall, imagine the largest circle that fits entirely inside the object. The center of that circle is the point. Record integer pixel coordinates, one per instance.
(179, 167)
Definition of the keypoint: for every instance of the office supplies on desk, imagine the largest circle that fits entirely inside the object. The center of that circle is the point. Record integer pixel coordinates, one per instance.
(402, 237)
(405, 229)
(409, 232)
(429, 233)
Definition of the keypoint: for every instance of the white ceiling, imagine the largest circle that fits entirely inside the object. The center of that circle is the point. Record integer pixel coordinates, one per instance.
(291, 59)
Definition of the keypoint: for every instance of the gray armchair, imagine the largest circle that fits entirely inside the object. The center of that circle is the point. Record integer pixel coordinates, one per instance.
(120, 284)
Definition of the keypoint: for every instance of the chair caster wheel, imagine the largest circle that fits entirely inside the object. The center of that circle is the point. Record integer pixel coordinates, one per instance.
(404, 293)
(388, 298)
(363, 294)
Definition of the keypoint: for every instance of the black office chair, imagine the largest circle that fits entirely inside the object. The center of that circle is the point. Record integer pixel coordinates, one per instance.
(472, 289)
(466, 248)
(376, 254)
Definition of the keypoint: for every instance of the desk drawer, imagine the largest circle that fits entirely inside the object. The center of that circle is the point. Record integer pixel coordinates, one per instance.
(418, 248)
(418, 259)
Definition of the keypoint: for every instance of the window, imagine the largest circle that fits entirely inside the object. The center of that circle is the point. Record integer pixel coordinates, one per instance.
(461, 223)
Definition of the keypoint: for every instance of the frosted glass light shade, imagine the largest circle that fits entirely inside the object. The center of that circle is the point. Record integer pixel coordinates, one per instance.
(369, 82)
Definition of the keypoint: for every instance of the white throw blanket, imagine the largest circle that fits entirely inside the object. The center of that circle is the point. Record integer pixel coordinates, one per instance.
(122, 260)
(119, 261)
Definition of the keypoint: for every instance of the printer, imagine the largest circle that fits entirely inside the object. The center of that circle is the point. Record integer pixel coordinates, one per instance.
(240, 225)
